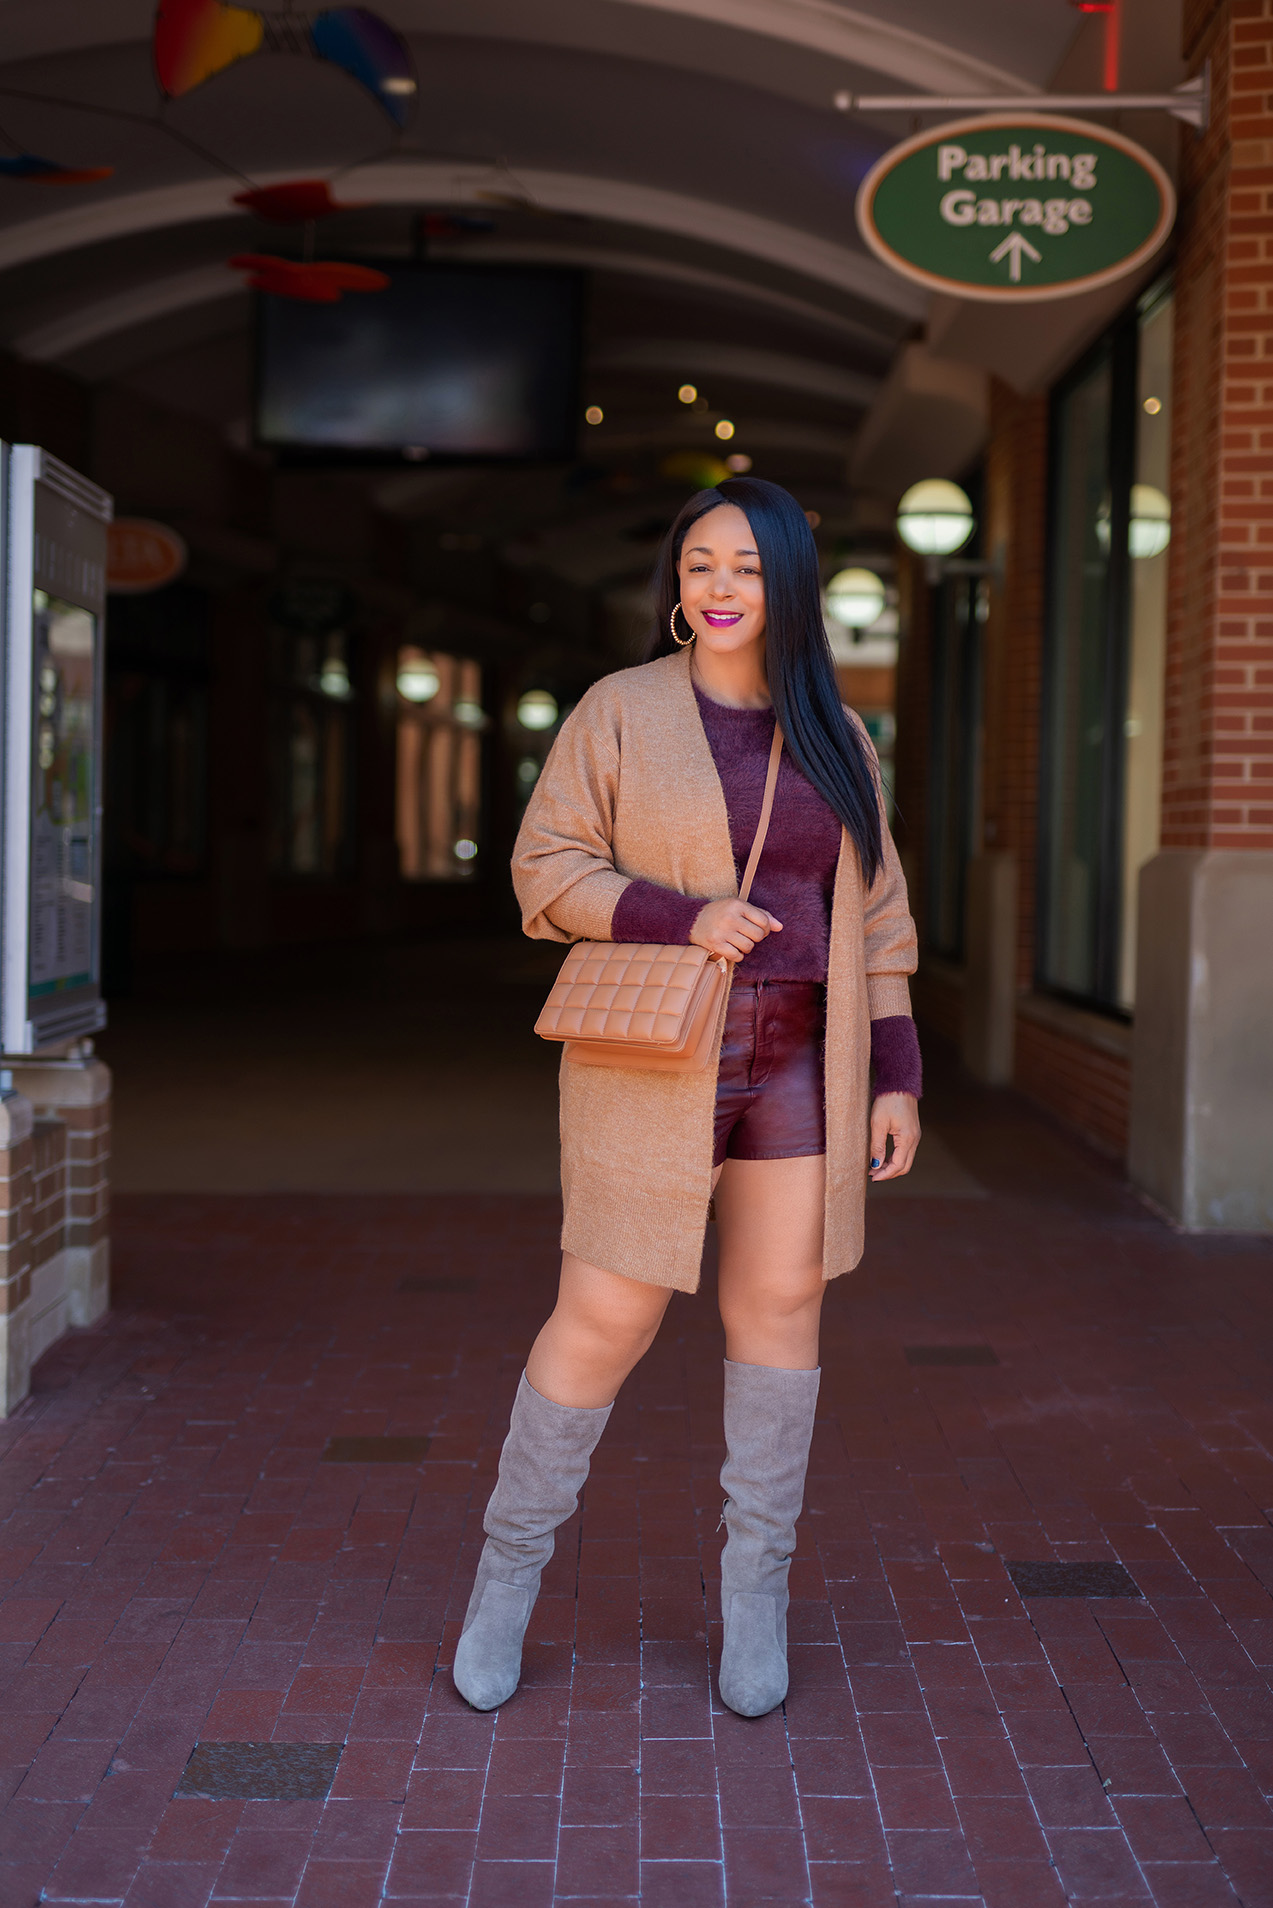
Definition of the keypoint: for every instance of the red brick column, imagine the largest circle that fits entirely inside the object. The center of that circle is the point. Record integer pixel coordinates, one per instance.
(1201, 1119)
(74, 1096)
(54, 1210)
(15, 1249)
(1218, 753)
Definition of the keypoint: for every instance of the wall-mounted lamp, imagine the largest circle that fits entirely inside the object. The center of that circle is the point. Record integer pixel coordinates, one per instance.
(855, 598)
(1148, 522)
(418, 679)
(935, 517)
(537, 709)
(1149, 528)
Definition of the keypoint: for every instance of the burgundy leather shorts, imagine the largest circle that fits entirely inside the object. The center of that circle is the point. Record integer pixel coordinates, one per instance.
(769, 1093)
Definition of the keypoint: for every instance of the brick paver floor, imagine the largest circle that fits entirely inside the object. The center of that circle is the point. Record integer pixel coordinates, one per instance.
(183, 1565)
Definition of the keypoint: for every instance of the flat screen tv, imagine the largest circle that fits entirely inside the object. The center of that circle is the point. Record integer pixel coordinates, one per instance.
(452, 363)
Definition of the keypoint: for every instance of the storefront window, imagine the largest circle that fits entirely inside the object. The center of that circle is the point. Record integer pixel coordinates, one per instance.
(158, 668)
(959, 613)
(314, 749)
(440, 724)
(1102, 707)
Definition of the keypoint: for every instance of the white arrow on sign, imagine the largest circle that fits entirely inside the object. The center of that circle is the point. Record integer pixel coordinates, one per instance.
(1014, 248)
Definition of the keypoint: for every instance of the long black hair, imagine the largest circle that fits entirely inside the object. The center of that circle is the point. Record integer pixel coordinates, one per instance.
(798, 662)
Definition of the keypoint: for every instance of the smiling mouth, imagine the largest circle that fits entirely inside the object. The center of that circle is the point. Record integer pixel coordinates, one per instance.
(722, 619)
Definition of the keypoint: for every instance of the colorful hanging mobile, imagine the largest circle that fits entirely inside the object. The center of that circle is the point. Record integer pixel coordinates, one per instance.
(321, 283)
(294, 202)
(196, 39)
(27, 167)
(368, 49)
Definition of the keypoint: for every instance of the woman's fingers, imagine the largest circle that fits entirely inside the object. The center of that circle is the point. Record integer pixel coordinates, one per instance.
(759, 918)
(895, 1115)
(729, 930)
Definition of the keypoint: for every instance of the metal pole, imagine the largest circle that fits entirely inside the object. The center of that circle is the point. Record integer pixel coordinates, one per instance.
(1190, 102)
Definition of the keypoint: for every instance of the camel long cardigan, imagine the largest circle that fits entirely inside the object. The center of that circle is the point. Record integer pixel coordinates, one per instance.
(630, 790)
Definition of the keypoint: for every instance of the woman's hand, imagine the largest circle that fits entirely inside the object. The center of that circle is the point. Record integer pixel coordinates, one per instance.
(898, 1114)
(730, 929)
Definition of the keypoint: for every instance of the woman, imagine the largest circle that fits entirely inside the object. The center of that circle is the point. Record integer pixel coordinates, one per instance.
(637, 829)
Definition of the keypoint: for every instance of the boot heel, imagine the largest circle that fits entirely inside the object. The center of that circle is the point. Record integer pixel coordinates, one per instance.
(488, 1657)
(753, 1664)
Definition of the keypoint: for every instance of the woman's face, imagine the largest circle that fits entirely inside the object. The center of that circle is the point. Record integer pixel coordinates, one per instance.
(722, 590)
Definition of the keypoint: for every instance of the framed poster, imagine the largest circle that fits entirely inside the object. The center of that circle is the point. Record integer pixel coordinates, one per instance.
(55, 524)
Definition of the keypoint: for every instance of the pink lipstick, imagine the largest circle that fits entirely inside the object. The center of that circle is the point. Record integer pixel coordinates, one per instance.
(722, 619)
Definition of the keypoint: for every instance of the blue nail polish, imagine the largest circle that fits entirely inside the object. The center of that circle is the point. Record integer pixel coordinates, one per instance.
(875, 1162)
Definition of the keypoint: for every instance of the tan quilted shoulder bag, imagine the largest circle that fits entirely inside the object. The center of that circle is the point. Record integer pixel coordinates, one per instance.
(621, 1004)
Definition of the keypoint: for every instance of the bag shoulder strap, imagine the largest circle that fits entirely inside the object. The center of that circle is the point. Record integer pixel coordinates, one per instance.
(766, 810)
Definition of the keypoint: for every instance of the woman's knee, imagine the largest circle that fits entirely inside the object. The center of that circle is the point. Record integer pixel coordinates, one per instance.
(772, 1303)
(609, 1310)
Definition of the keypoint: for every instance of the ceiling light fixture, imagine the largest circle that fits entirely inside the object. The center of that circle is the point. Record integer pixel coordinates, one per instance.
(537, 709)
(418, 679)
(935, 517)
(854, 598)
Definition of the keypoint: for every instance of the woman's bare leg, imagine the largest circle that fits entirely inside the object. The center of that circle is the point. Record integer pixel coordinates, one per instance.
(769, 1222)
(600, 1327)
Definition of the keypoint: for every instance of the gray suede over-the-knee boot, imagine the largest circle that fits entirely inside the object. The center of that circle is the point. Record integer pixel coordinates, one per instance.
(768, 1427)
(542, 1469)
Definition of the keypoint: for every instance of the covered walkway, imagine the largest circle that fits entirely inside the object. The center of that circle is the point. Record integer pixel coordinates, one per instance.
(207, 1542)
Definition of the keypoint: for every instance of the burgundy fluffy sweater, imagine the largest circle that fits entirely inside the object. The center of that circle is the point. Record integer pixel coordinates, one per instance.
(794, 880)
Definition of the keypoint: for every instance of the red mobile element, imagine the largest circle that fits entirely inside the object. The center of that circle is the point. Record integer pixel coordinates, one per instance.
(320, 284)
(293, 203)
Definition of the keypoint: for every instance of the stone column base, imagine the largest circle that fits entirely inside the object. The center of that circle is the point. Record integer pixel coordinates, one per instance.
(1201, 1139)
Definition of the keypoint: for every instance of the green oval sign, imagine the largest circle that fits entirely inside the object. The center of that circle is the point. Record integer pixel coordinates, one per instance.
(1015, 207)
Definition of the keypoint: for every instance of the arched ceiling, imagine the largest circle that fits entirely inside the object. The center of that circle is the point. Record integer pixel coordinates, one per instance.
(684, 152)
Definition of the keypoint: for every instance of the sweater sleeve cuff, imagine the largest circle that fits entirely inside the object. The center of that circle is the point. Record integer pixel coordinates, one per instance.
(887, 995)
(895, 1060)
(648, 914)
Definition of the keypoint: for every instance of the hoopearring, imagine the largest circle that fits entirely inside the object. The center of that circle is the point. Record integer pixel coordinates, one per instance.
(682, 642)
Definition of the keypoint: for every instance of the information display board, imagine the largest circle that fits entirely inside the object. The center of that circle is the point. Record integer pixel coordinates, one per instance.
(55, 525)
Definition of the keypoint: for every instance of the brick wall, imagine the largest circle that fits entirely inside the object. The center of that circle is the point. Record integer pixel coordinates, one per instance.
(54, 1210)
(1081, 1072)
(15, 1248)
(1218, 757)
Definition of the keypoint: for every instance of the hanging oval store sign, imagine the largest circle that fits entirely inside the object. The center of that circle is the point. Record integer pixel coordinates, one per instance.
(1016, 207)
(142, 555)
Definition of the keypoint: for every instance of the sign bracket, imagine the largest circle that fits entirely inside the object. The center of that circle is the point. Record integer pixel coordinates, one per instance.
(1190, 102)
